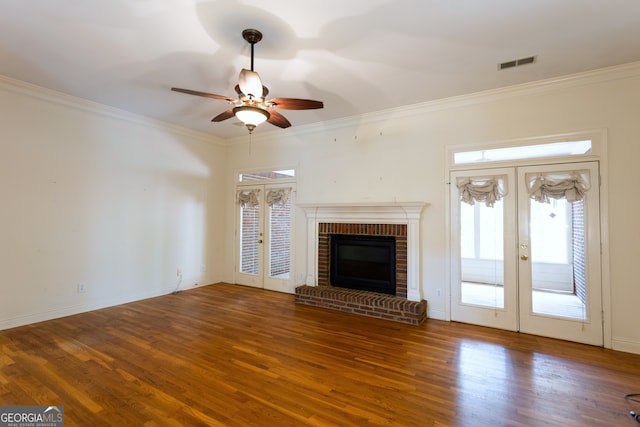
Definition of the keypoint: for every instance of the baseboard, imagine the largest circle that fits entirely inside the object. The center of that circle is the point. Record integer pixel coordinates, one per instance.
(76, 309)
(626, 345)
(436, 314)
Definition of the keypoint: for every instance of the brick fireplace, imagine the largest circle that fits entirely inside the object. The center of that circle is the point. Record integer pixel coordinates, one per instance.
(398, 231)
(399, 220)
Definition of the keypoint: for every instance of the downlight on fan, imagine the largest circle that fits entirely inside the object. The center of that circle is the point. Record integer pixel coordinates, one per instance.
(251, 116)
(251, 107)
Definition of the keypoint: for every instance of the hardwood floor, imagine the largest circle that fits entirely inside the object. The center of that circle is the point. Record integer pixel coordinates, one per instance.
(239, 356)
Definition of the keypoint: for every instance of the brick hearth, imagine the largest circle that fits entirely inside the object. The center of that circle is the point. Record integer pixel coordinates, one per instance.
(365, 303)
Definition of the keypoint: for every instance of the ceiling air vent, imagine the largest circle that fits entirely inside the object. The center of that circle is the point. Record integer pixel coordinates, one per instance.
(517, 62)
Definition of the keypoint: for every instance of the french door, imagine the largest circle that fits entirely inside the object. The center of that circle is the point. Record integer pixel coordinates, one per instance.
(264, 236)
(526, 250)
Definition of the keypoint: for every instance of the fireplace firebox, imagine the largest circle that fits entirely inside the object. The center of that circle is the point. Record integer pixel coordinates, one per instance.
(363, 262)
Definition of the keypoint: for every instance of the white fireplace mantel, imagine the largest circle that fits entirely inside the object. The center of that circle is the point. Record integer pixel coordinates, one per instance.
(408, 213)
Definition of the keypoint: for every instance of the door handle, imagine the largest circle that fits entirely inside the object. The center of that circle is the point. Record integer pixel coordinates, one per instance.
(260, 241)
(523, 257)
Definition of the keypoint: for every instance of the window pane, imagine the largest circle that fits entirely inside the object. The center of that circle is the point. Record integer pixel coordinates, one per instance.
(555, 149)
(552, 225)
(467, 231)
(249, 236)
(490, 231)
(266, 175)
(481, 249)
(558, 275)
(280, 240)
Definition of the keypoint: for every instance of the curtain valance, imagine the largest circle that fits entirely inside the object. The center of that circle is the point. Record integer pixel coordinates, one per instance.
(570, 185)
(248, 198)
(488, 189)
(278, 196)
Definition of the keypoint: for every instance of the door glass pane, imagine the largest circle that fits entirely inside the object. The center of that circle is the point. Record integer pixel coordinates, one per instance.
(249, 237)
(558, 277)
(280, 240)
(482, 254)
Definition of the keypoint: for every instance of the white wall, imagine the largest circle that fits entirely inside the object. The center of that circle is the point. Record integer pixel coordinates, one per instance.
(119, 203)
(400, 156)
(100, 197)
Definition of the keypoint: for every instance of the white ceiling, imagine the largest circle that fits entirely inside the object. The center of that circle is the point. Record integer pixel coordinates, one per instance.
(357, 56)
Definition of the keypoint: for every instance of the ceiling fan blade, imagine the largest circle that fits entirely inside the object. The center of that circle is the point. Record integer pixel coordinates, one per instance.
(223, 116)
(296, 104)
(205, 94)
(250, 83)
(278, 119)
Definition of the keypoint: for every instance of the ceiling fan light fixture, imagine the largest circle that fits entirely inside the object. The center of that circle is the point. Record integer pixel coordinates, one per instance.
(250, 84)
(251, 106)
(251, 116)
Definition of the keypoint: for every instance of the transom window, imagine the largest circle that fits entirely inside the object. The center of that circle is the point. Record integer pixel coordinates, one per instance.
(535, 151)
(269, 175)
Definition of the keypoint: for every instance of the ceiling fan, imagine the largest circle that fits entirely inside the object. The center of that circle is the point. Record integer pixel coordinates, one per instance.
(252, 106)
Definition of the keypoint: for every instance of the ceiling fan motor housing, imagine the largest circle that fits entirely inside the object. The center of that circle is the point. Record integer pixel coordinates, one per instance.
(252, 36)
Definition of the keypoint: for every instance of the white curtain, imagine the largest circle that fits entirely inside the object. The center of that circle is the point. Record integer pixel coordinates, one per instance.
(570, 185)
(278, 196)
(488, 189)
(248, 198)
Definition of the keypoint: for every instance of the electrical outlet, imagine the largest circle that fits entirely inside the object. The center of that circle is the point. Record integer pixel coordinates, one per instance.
(439, 292)
(82, 288)
(179, 272)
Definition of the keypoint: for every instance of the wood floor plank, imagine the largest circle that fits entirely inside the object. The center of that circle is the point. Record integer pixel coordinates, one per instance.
(229, 355)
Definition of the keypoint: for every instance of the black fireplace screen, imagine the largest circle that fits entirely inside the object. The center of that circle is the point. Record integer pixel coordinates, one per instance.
(364, 262)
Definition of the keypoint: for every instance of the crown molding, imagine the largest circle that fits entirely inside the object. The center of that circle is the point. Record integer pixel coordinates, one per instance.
(602, 75)
(70, 101)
